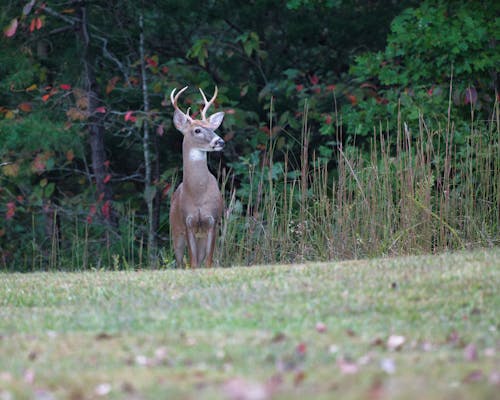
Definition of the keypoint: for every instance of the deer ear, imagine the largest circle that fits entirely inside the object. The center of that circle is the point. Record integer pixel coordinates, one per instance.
(215, 120)
(180, 120)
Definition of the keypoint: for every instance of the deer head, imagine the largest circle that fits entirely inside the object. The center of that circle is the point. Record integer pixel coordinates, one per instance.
(199, 135)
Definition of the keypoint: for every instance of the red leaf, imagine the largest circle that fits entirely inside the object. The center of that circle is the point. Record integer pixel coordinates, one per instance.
(314, 79)
(101, 110)
(151, 62)
(32, 25)
(65, 86)
(107, 178)
(299, 88)
(106, 209)
(330, 88)
(470, 95)
(11, 210)
(39, 23)
(26, 107)
(106, 163)
(352, 99)
(165, 190)
(130, 117)
(45, 97)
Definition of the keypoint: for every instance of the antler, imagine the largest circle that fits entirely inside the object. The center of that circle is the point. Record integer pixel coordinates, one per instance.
(174, 101)
(207, 103)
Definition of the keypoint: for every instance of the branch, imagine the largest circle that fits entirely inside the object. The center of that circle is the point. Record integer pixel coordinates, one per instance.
(70, 20)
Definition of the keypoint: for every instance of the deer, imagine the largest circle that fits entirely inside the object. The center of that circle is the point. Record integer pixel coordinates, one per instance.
(196, 206)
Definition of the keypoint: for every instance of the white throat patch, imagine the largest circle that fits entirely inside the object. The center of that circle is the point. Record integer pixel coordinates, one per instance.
(197, 155)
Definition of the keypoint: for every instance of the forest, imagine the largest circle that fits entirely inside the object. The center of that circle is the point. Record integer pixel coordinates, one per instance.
(353, 128)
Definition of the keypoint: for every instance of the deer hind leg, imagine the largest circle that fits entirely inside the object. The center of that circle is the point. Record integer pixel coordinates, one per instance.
(179, 247)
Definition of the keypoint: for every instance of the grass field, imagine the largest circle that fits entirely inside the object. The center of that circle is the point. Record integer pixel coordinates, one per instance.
(422, 327)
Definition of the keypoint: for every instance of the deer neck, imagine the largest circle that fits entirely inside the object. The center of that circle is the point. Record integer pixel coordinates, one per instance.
(195, 169)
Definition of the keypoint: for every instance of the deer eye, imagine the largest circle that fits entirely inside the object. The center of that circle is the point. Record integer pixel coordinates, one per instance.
(197, 130)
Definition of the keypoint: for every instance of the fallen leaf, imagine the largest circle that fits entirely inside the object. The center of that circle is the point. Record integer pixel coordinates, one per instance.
(474, 376)
(301, 348)
(242, 389)
(299, 378)
(347, 367)
(103, 335)
(395, 342)
(103, 389)
(470, 352)
(29, 376)
(494, 378)
(320, 327)
(388, 365)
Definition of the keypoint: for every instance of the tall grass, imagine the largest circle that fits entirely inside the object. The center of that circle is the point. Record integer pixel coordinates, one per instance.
(415, 193)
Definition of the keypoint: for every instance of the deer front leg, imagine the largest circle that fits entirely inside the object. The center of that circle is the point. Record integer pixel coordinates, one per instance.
(212, 227)
(191, 241)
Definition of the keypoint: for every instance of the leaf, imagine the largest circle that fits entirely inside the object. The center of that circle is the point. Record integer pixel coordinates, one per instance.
(129, 116)
(470, 352)
(39, 23)
(28, 7)
(11, 210)
(395, 342)
(70, 155)
(112, 84)
(347, 367)
(242, 389)
(31, 88)
(32, 25)
(101, 110)
(387, 365)
(11, 29)
(26, 107)
(11, 170)
(45, 97)
(65, 86)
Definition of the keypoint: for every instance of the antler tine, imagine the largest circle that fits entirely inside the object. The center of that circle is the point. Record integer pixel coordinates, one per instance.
(174, 99)
(207, 103)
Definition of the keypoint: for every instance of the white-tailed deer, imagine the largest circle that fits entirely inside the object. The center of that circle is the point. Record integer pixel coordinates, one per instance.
(196, 206)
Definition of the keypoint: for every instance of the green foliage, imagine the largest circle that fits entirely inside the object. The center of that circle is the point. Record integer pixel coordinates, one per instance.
(437, 47)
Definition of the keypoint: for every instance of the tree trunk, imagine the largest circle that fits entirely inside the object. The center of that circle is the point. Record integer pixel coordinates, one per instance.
(149, 188)
(104, 192)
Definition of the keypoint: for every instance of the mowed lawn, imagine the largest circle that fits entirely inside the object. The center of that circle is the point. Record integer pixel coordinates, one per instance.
(422, 327)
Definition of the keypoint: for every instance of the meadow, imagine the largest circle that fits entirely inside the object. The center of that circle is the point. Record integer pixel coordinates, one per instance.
(385, 328)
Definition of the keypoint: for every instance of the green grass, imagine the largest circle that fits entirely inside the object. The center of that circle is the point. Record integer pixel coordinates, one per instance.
(252, 333)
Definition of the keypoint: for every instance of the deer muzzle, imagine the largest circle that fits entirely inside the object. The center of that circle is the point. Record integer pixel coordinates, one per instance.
(217, 144)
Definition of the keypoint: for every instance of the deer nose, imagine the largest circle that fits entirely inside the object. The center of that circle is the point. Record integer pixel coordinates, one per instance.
(218, 143)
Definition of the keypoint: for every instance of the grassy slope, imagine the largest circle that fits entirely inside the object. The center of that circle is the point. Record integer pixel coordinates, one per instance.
(190, 333)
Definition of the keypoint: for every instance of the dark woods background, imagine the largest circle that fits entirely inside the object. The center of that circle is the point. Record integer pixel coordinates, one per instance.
(89, 157)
